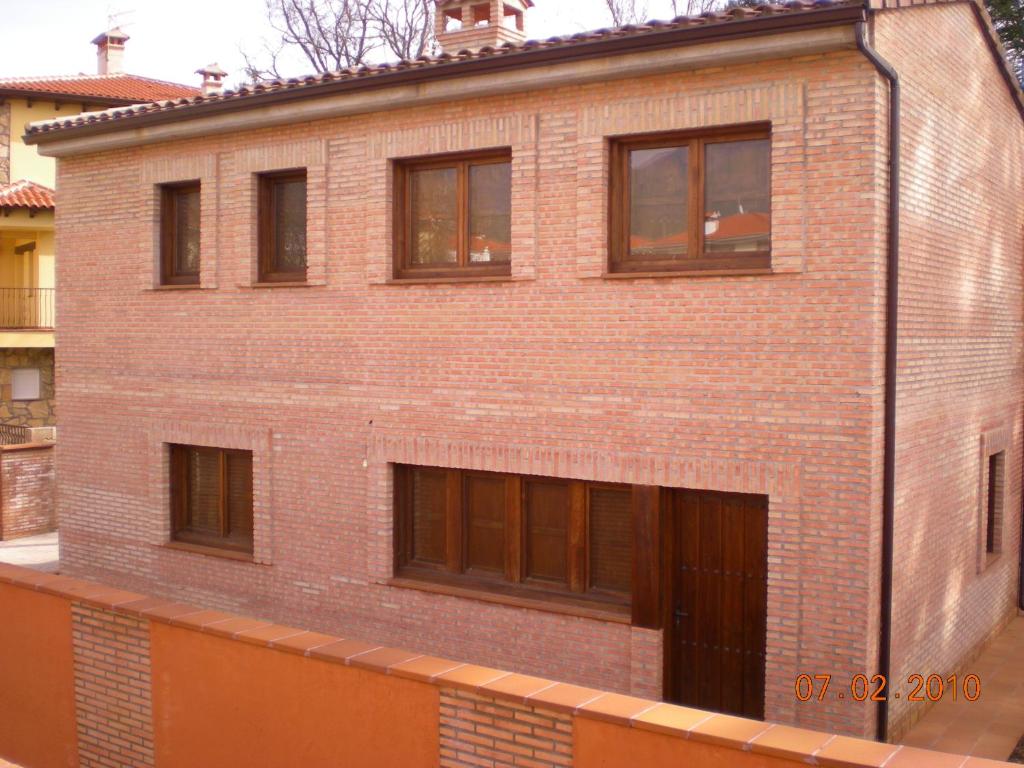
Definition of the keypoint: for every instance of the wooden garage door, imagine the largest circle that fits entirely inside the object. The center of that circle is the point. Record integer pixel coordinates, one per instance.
(715, 627)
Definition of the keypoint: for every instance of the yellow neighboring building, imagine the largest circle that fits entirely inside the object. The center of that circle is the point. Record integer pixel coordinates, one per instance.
(27, 180)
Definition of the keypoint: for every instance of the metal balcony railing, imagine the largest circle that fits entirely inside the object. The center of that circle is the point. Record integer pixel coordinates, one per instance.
(26, 308)
(11, 434)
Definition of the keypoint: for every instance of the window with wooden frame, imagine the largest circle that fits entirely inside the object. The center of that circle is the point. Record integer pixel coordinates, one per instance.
(994, 505)
(690, 202)
(282, 226)
(211, 497)
(179, 233)
(556, 539)
(453, 216)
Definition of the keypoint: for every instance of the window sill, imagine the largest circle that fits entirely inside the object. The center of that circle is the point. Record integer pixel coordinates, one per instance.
(284, 284)
(677, 273)
(185, 287)
(618, 614)
(461, 279)
(200, 549)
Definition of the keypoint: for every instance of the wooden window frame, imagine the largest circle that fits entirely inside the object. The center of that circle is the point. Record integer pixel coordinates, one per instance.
(995, 497)
(576, 590)
(619, 203)
(403, 223)
(179, 492)
(169, 196)
(266, 217)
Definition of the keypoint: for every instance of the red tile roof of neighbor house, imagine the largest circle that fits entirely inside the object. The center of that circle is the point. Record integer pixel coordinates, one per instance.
(117, 88)
(26, 194)
(733, 22)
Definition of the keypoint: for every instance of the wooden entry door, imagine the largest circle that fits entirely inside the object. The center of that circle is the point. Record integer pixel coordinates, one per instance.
(716, 579)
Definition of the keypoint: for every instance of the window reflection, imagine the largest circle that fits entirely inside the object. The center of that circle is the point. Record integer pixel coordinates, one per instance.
(434, 216)
(659, 191)
(737, 197)
(187, 226)
(291, 226)
(490, 212)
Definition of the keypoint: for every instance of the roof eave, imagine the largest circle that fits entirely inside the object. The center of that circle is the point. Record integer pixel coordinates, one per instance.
(521, 59)
(66, 98)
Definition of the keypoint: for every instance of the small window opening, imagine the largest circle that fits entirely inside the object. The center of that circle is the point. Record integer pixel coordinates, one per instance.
(481, 15)
(994, 504)
(453, 20)
(512, 18)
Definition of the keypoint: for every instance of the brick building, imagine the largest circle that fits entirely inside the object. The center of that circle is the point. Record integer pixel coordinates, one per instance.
(582, 357)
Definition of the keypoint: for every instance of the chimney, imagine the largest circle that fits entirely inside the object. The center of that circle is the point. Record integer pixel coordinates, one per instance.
(213, 77)
(474, 24)
(110, 52)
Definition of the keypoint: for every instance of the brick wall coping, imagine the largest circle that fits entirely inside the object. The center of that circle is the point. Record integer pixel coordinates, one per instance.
(27, 446)
(781, 741)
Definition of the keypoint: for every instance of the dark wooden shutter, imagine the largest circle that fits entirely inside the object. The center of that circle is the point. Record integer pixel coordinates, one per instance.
(179, 488)
(484, 505)
(547, 530)
(204, 517)
(238, 498)
(611, 539)
(428, 500)
(647, 521)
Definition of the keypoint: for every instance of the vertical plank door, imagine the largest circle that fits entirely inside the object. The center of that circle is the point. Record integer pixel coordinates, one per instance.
(715, 627)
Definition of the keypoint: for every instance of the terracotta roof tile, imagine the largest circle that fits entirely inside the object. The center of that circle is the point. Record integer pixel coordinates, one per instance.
(130, 89)
(196, 104)
(26, 194)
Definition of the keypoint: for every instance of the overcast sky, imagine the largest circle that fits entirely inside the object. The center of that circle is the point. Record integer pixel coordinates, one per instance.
(170, 40)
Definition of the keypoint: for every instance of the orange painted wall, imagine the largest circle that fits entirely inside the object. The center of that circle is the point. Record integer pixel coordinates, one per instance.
(218, 702)
(37, 690)
(606, 745)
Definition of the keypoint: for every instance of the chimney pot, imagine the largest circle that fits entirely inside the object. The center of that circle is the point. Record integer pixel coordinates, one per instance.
(474, 24)
(110, 51)
(213, 79)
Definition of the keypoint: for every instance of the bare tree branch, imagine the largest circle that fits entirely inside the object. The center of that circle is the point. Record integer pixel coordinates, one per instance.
(330, 35)
(694, 7)
(405, 27)
(625, 12)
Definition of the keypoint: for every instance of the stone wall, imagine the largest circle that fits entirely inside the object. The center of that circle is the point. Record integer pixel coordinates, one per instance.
(28, 413)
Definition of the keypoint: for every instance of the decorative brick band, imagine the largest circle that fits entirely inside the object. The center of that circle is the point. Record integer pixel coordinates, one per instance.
(112, 687)
(479, 730)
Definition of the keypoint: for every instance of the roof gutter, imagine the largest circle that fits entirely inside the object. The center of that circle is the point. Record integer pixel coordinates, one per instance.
(63, 98)
(739, 29)
(891, 339)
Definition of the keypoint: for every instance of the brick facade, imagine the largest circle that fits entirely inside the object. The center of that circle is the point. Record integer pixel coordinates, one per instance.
(767, 384)
(960, 352)
(27, 490)
(112, 687)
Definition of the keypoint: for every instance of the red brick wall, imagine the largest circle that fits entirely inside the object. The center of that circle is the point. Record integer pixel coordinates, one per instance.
(480, 730)
(758, 384)
(114, 710)
(27, 489)
(960, 356)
